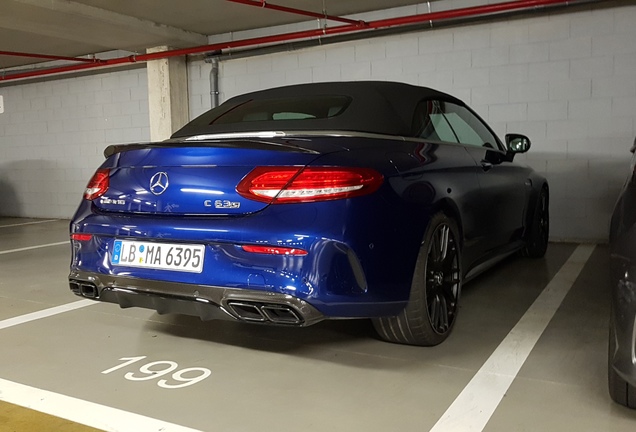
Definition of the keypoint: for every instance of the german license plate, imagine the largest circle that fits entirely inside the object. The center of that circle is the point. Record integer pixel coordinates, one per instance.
(163, 256)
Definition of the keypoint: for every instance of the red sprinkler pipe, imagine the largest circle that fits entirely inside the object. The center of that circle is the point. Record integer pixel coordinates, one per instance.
(386, 23)
(49, 57)
(265, 5)
(469, 12)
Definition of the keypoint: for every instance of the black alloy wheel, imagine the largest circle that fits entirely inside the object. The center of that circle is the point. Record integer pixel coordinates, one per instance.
(431, 312)
(442, 279)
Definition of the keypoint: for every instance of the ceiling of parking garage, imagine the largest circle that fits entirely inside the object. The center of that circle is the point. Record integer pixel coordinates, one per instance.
(80, 27)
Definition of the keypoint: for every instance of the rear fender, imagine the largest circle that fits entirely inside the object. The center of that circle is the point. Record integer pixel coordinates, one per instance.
(450, 209)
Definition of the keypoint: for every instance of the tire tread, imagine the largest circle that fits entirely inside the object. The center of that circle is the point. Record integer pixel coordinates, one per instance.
(411, 326)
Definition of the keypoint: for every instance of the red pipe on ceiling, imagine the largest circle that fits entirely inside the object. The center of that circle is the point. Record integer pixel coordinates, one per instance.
(265, 5)
(385, 23)
(49, 57)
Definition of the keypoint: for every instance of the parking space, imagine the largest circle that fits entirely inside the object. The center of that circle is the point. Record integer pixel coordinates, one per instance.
(336, 375)
(33, 255)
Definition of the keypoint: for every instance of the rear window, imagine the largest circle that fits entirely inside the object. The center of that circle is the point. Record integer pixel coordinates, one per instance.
(308, 107)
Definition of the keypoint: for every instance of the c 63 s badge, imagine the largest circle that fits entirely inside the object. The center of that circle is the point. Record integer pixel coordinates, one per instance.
(222, 204)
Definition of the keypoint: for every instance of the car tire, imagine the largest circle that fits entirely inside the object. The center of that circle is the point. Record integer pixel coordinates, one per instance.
(539, 230)
(620, 390)
(431, 311)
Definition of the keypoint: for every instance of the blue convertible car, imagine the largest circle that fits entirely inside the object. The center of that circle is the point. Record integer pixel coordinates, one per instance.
(321, 201)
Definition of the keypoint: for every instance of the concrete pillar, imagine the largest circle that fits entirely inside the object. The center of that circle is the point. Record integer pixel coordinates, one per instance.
(167, 95)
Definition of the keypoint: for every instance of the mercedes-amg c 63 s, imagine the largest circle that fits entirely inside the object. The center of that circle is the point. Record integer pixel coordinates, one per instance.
(308, 202)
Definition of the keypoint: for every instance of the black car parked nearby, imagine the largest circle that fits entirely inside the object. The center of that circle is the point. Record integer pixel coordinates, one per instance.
(622, 329)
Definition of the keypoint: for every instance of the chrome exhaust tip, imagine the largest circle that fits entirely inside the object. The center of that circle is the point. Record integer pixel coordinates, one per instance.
(263, 313)
(88, 290)
(247, 311)
(75, 287)
(280, 314)
(84, 289)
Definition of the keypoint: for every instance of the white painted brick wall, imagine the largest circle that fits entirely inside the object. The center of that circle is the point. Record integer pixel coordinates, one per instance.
(434, 42)
(491, 56)
(403, 47)
(566, 80)
(530, 92)
(530, 53)
(53, 133)
(614, 86)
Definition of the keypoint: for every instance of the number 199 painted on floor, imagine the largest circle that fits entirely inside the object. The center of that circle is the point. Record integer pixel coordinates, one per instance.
(151, 371)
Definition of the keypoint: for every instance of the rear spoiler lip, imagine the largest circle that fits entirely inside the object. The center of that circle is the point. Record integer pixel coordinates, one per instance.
(244, 143)
(284, 141)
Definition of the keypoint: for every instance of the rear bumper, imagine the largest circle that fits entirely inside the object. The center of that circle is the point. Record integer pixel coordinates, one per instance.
(352, 269)
(206, 302)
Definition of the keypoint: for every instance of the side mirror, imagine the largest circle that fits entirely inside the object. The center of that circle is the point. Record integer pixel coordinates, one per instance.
(517, 143)
(633, 149)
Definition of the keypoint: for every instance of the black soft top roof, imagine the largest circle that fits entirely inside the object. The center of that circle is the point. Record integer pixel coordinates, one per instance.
(376, 107)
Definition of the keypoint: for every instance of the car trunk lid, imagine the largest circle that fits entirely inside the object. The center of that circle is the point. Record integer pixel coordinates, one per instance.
(186, 178)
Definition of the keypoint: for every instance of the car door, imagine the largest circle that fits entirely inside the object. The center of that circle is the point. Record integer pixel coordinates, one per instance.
(504, 185)
(457, 177)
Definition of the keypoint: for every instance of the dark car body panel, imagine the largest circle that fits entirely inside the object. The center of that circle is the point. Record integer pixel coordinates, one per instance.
(623, 283)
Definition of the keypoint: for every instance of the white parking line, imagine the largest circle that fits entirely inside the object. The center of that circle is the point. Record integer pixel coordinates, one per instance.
(472, 409)
(44, 314)
(76, 410)
(33, 247)
(81, 411)
(29, 223)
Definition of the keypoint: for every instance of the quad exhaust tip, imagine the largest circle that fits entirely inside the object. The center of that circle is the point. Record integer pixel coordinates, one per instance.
(262, 312)
(84, 289)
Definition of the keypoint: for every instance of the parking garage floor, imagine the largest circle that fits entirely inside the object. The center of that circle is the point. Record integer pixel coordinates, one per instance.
(528, 353)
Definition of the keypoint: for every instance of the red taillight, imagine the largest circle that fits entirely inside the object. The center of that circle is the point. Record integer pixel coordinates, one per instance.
(297, 184)
(81, 237)
(98, 185)
(273, 250)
